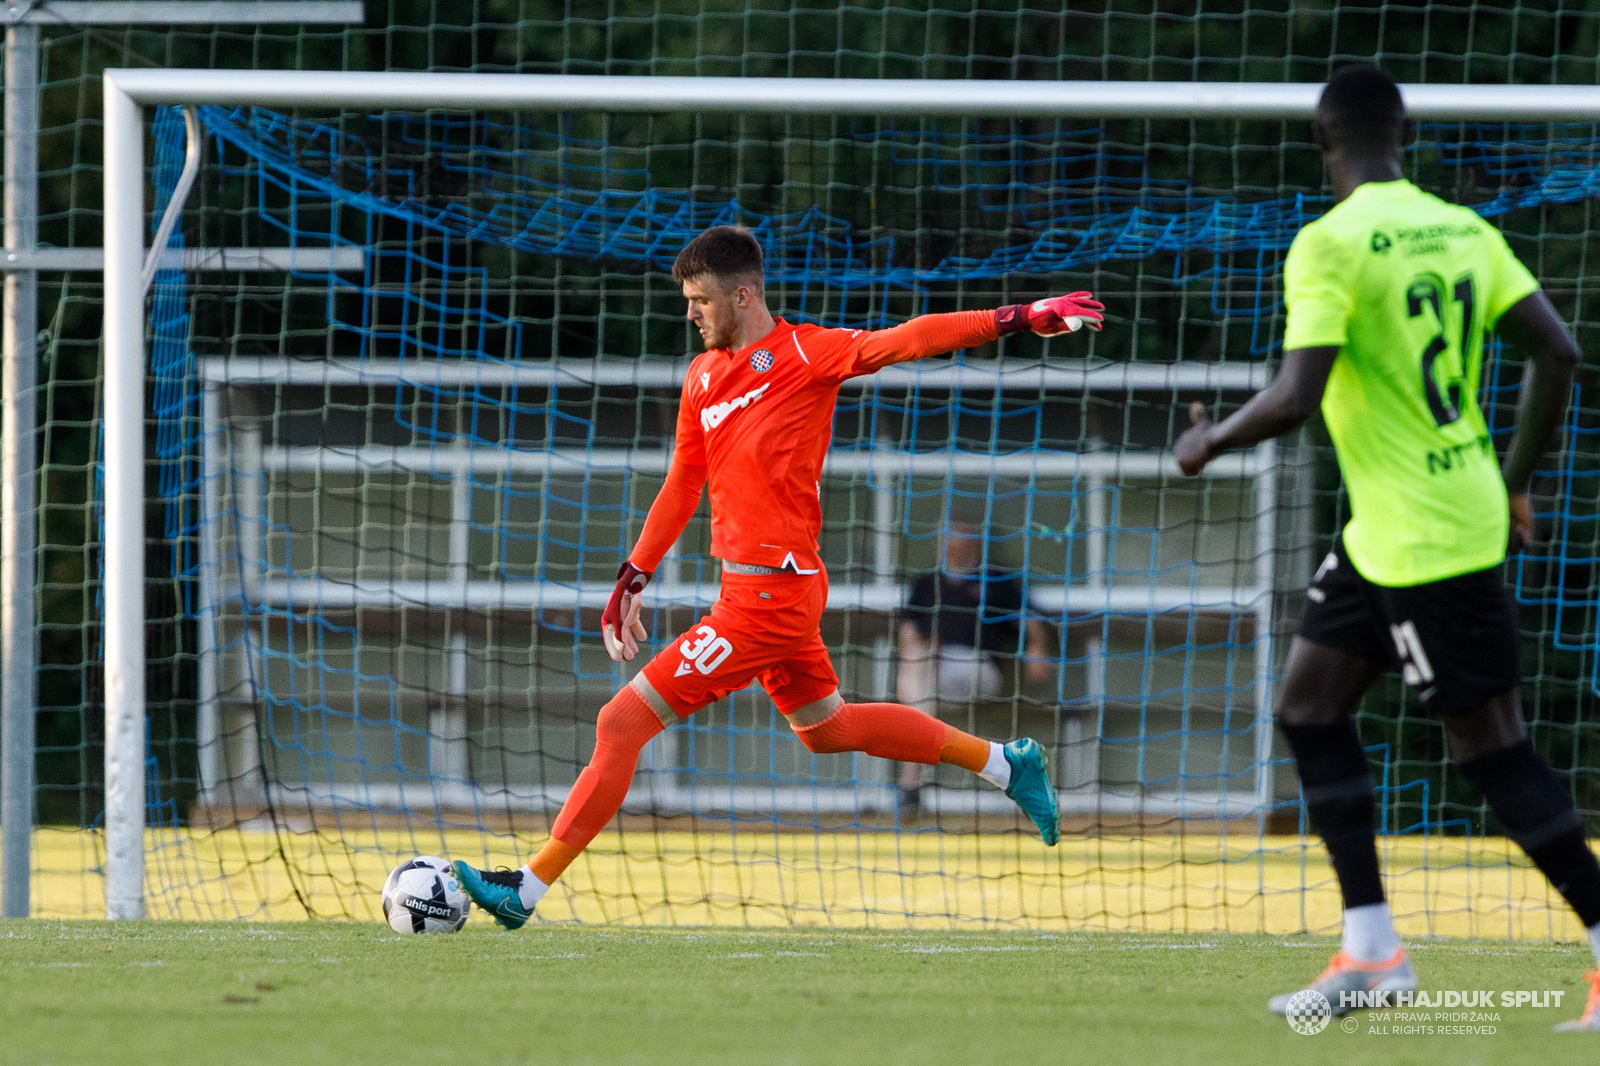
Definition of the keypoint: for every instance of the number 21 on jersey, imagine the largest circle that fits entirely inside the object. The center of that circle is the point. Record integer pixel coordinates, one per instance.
(707, 652)
(1426, 292)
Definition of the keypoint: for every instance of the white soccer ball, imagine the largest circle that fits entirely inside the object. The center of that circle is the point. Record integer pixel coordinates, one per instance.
(422, 895)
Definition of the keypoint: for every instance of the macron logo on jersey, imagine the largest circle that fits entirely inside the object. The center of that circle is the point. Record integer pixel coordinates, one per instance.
(713, 416)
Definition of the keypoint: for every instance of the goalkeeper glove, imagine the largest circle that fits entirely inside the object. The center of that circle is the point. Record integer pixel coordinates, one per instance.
(620, 627)
(1053, 316)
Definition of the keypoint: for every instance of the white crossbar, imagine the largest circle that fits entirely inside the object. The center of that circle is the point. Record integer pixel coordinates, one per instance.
(325, 89)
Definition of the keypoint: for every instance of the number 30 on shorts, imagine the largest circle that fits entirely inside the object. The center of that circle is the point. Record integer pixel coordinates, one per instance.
(708, 652)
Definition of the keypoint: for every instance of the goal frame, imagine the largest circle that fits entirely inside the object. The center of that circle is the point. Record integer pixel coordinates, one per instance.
(128, 91)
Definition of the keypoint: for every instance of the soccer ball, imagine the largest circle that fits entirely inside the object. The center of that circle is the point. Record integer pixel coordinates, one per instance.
(421, 896)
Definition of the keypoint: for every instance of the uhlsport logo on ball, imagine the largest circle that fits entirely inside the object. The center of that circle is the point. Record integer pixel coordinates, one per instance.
(421, 895)
(1308, 1012)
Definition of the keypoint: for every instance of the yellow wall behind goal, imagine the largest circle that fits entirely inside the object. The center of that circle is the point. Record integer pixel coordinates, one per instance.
(1440, 886)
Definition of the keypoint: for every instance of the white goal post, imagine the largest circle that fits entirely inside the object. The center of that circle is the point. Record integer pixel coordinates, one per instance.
(128, 91)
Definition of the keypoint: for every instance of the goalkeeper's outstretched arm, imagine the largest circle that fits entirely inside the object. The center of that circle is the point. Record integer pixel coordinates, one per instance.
(930, 335)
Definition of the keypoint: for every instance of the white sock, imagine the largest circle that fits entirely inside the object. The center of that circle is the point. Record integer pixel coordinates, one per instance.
(531, 891)
(1594, 944)
(1369, 934)
(997, 771)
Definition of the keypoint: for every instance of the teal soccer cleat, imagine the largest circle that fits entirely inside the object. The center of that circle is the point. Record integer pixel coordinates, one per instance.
(496, 892)
(1031, 788)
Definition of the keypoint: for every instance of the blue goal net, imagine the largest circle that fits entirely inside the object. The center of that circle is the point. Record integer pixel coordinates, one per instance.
(409, 423)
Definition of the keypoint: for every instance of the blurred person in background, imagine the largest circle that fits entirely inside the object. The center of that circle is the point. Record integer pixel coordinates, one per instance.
(955, 630)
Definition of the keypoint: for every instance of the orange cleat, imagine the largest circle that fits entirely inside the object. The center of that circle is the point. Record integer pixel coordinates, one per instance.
(1345, 974)
(1590, 1022)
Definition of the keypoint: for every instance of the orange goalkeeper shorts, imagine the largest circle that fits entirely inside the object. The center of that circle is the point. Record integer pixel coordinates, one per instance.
(762, 628)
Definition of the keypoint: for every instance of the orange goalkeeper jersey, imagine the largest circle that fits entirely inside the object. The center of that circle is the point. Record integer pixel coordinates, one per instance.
(757, 422)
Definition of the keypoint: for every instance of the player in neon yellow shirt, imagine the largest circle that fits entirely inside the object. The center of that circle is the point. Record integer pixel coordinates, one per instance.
(1389, 297)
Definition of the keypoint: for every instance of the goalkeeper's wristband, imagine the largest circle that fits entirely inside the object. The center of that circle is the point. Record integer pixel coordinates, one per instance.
(1010, 319)
(630, 580)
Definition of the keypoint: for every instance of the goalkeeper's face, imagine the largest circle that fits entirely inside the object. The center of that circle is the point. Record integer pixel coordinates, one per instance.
(718, 312)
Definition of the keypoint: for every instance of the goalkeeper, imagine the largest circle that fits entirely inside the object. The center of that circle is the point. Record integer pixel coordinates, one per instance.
(1389, 296)
(754, 422)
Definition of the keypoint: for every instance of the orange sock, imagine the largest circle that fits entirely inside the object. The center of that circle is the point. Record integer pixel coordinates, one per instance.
(624, 726)
(963, 749)
(887, 730)
(895, 731)
(553, 860)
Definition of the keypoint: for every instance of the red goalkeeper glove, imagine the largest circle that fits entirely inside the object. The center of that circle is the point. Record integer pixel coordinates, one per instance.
(620, 627)
(1053, 316)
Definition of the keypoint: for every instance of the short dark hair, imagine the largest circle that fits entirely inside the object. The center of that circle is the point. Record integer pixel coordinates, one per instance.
(731, 254)
(1361, 106)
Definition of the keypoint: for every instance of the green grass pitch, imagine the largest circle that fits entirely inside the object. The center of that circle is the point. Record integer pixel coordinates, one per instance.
(170, 993)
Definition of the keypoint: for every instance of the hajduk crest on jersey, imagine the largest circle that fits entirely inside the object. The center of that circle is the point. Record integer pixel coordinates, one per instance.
(761, 360)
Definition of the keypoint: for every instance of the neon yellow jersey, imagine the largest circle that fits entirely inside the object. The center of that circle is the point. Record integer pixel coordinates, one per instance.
(1406, 285)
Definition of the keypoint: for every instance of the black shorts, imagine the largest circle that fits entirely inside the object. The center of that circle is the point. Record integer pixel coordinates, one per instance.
(1454, 641)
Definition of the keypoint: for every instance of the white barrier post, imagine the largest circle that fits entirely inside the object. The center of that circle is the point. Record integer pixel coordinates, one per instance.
(124, 503)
